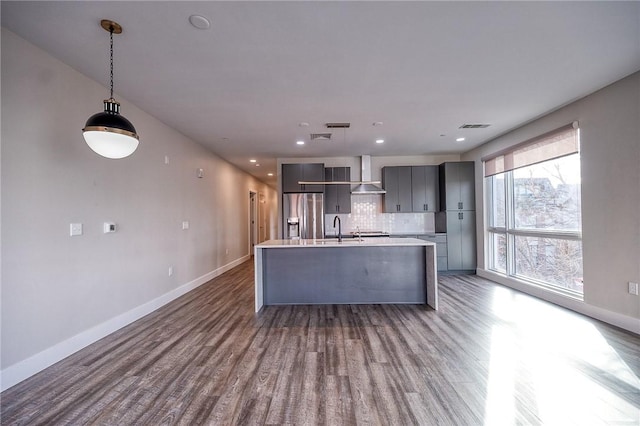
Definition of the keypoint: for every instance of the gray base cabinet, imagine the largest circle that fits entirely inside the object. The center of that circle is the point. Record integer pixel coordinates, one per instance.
(441, 249)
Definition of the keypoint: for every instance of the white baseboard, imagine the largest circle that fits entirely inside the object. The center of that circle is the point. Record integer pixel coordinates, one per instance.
(619, 320)
(22, 370)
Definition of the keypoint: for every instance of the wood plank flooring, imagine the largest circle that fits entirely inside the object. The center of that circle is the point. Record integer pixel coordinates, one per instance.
(489, 356)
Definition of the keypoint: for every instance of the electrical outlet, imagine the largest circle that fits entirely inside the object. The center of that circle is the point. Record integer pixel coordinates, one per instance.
(226, 251)
(170, 270)
(633, 288)
(185, 224)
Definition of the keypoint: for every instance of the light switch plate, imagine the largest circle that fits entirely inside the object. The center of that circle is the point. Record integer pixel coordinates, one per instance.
(185, 224)
(633, 288)
(75, 229)
(109, 227)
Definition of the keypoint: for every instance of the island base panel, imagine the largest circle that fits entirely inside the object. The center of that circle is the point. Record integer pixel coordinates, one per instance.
(344, 275)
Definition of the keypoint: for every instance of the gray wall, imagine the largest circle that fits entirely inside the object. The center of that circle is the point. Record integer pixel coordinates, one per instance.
(58, 292)
(610, 164)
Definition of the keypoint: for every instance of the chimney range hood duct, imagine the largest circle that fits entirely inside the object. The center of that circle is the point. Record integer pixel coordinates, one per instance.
(366, 186)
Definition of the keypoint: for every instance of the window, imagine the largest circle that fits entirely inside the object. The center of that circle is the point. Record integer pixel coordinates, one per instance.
(534, 212)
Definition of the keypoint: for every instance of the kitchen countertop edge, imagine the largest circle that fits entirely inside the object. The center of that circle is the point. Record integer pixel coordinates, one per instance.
(333, 243)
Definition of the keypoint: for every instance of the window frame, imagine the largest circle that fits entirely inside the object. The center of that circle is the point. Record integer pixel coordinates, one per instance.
(510, 232)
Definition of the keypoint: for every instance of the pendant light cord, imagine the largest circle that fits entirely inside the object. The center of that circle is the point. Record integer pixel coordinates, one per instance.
(111, 58)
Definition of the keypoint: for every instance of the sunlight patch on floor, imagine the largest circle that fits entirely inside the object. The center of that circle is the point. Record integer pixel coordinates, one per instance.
(556, 366)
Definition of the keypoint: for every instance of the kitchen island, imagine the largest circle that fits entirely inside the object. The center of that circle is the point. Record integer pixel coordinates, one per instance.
(327, 271)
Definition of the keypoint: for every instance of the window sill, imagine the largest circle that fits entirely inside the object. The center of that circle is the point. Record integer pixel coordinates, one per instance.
(540, 285)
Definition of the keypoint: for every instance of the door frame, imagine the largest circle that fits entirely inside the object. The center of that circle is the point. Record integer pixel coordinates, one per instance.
(253, 220)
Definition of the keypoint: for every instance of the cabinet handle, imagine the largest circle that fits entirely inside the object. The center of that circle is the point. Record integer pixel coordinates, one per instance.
(460, 216)
(460, 206)
(397, 207)
(426, 207)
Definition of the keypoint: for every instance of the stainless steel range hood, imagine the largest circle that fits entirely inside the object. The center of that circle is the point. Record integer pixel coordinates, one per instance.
(366, 185)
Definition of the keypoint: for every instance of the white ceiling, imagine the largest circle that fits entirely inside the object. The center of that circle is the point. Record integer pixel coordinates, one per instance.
(422, 68)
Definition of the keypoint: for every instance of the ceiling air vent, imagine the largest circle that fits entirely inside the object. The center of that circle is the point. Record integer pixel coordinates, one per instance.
(338, 125)
(320, 136)
(474, 126)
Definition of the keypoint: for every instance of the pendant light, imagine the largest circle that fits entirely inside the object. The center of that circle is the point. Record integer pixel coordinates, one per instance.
(108, 133)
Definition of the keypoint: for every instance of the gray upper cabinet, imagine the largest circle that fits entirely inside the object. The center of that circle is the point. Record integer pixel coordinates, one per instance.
(457, 186)
(337, 198)
(293, 173)
(397, 182)
(424, 188)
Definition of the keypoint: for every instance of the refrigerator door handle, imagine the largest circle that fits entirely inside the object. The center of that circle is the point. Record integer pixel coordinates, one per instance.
(305, 223)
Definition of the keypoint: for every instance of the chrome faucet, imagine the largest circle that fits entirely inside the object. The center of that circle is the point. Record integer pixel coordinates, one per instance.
(339, 227)
(359, 234)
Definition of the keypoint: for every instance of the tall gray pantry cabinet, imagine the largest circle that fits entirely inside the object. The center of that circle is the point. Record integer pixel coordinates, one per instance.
(457, 216)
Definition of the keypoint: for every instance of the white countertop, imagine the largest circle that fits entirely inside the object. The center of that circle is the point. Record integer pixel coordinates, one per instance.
(347, 242)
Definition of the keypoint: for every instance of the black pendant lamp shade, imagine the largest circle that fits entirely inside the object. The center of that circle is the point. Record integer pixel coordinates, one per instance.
(108, 133)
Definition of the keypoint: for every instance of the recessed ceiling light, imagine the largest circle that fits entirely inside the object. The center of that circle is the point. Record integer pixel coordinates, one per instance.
(199, 22)
(303, 124)
(257, 164)
(269, 174)
(300, 142)
(377, 123)
(252, 160)
(459, 139)
(379, 140)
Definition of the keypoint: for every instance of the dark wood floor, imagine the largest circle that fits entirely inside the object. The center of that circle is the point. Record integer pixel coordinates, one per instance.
(489, 356)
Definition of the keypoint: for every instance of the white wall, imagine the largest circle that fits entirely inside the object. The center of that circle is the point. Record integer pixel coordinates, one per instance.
(610, 161)
(60, 293)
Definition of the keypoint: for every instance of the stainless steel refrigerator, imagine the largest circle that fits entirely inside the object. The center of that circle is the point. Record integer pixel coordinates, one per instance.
(303, 216)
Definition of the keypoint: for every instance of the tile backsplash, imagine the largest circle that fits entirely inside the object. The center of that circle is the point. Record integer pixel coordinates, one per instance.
(366, 213)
